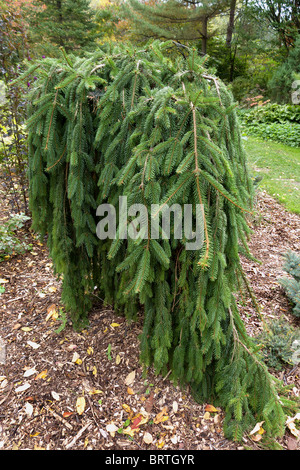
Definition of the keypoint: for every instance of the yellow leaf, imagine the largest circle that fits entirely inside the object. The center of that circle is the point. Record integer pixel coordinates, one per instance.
(95, 371)
(127, 408)
(80, 405)
(52, 313)
(206, 415)
(118, 359)
(95, 392)
(130, 391)
(160, 417)
(76, 359)
(211, 409)
(114, 325)
(256, 428)
(26, 328)
(129, 431)
(160, 444)
(90, 351)
(41, 375)
(105, 330)
(52, 288)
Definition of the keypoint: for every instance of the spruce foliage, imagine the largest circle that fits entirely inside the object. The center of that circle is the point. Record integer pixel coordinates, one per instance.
(136, 123)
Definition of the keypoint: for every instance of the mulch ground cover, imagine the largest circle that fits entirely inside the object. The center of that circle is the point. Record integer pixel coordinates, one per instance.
(86, 390)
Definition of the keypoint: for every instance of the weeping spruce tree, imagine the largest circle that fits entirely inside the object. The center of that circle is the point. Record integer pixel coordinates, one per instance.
(136, 123)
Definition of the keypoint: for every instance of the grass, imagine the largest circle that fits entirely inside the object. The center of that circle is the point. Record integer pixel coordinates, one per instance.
(279, 167)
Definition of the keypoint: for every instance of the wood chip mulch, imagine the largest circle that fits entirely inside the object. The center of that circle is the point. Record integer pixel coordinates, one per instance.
(81, 390)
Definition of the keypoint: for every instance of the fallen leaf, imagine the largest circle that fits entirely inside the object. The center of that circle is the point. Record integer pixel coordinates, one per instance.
(55, 396)
(52, 312)
(256, 428)
(3, 281)
(206, 415)
(160, 417)
(42, 375)
(80, 405)
(130, 432)
(22, 388)
(118, 359)
(290, 423)
(149, 403)
(33, 344)
(147, 438)
(30, 372)
(130, 378)
(211, 409)
(114, 325)
(256, 438)
(52, 289)
(175, 406)
(28, 408)
(90, 351)
(95, 392)
(292, 443)
(95, 371)
(136, 422)
(3, 383)
(130, 391)
(127, 409)
(112, 429)
(76, 359)
(66, 414)
(160, 444)
(174, 439)
(26, 328)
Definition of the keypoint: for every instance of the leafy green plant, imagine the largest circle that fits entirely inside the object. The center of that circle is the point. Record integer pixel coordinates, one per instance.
(63, 321)
(280, 123)
(277, 343)
(10, 244)
(291, 284)
(273, 112)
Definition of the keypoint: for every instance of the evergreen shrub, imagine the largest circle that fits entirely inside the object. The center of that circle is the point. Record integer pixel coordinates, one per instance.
(136, 123)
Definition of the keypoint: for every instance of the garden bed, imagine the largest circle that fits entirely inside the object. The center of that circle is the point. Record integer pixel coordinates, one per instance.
(71, 390)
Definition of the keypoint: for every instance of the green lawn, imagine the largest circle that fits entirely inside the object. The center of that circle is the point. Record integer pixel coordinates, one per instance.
(279, 167)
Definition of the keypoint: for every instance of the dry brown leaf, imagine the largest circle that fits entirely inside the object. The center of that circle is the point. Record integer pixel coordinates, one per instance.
(130, 378)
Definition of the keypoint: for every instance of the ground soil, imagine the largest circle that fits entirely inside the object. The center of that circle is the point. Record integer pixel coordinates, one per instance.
(73, 390)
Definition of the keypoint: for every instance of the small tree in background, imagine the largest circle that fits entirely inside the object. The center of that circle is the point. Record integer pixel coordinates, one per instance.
(176, 19)
(62, 23)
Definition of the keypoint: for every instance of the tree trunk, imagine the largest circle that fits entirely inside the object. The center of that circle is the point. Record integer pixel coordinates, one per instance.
(204, 35)
(230, 27)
